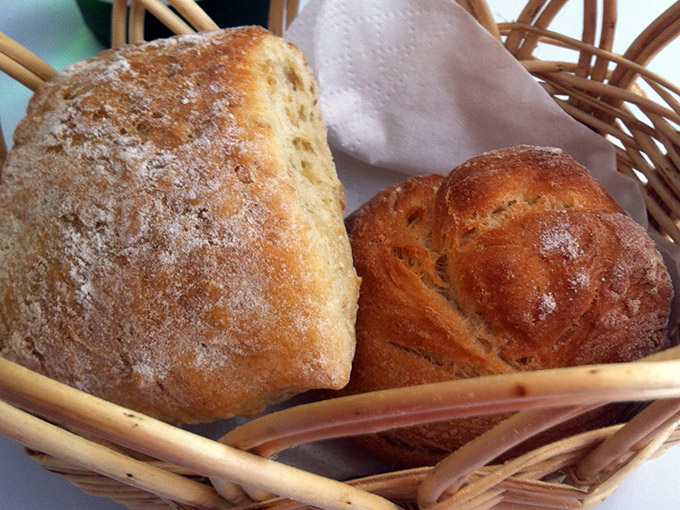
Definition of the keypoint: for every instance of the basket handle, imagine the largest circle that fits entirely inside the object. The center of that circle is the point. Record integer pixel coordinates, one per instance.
(128, 27)
(458, 466)
(45, 437)
(535, 392)
(386, 409)
(24, 66)
(55, 401)
(281, 15)
(638, 431)
(651, 41)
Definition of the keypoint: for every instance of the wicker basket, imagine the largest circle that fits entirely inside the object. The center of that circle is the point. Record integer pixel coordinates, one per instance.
(114, 452)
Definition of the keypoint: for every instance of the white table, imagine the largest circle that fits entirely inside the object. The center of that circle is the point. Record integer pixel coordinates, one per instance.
(54, 30)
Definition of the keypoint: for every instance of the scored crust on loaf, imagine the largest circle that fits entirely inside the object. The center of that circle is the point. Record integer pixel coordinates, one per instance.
(171, 235)
(517, 260)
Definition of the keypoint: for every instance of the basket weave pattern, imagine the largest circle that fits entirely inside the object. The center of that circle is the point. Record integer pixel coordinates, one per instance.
(116, 453)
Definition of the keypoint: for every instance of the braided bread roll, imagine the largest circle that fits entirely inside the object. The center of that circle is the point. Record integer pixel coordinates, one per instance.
(517, 260)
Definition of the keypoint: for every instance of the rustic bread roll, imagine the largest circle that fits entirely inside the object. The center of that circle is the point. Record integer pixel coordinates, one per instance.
(171, 234)
(517, 260)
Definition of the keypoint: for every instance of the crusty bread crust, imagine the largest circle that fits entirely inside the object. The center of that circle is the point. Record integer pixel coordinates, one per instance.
(171, 234)
(517, 260)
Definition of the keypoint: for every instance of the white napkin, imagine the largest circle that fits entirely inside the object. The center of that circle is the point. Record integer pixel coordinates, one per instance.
(419, 87)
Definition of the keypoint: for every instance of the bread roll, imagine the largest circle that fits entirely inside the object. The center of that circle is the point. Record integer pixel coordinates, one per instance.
(517, 260)
(171, 234)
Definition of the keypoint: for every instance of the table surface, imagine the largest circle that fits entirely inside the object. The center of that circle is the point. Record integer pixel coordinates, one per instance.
(54, 30)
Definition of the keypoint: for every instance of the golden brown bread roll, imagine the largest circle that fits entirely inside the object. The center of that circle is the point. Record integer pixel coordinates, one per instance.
(517, 260)
(171, 234)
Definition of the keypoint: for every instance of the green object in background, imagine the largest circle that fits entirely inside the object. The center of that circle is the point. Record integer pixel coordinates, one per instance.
(226, 13)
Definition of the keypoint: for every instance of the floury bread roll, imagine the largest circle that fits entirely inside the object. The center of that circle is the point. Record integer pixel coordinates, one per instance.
(171, 233)
(517, 260)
